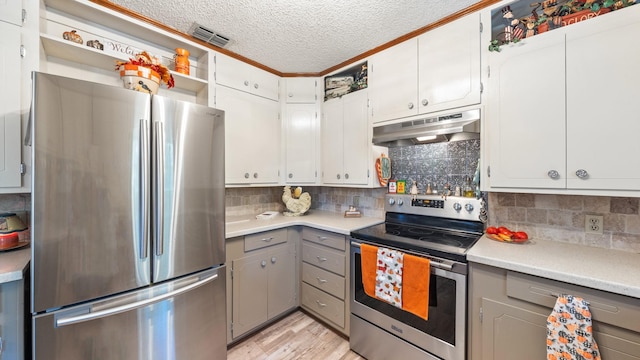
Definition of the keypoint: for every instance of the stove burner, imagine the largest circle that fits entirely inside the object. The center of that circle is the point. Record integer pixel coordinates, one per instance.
(423, 233)
(444, 240)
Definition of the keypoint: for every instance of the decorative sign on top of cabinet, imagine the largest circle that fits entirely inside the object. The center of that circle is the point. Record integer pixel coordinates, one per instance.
(10, 108)
(440, 70)
(579, 138)
(244, 77)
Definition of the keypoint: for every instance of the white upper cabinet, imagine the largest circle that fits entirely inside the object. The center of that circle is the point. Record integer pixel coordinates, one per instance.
(301, 129)
(301, 90)
(244, 77)
(393, 82)
(252, 137)
(439, 70)
(449, 65)
(10, 108)
(11, 12)
(562, 115)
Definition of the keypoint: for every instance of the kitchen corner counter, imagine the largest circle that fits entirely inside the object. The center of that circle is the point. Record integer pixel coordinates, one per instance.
(13, 263)
(323, 220)
(614, 271)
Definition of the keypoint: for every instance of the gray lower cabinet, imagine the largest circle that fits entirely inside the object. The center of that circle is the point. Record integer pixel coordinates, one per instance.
(325, 277)
(262, 280)
(12, 319)
(508, 316)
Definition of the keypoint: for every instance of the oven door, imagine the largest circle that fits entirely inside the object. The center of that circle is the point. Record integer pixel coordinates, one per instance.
(442, 335)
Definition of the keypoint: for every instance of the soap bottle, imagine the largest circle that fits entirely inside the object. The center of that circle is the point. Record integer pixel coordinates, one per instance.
(467, 191)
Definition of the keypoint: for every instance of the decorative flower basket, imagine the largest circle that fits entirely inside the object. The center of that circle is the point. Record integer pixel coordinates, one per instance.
(144, 73)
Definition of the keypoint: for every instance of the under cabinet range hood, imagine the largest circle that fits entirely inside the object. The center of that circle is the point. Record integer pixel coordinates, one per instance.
(462, 125)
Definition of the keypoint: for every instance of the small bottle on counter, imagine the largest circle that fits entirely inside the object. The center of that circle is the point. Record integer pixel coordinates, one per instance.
(429, 191)
(467, 190)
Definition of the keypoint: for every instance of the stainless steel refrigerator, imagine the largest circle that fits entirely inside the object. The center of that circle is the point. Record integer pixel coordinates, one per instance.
(127, 224)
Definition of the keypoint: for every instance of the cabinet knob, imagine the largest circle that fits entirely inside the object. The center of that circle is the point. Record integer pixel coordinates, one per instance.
(255, 175)
(582, 173)
(290, 176)
(346, 176)
(255, 86)
(410, 105)
(553, 174)
(321, 259)
(290, 95)
(246, 83)
(338, 176)
(246, 175)
(263, 263)
(273, 260)
(425, 102)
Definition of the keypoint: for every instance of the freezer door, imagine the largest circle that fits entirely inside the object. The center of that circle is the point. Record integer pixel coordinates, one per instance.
(87, 199)
(182, 319)
(188, 167)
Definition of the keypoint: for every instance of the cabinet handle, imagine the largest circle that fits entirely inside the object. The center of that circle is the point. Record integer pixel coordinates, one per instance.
(321, 259)
(290, 176)
(267, 239)
(322, 238)
(263, 263)
(255, 175)
(246, 175)
(338, 176)
(246, 83)
(321, 304)
(273, 260)
(255, 85)
(346, 176)
(425, 102)
(410, 105)
(553, 174)
(582, 173)
(321, 281)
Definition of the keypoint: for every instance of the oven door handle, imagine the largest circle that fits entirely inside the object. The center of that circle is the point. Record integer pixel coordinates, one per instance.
(435, 264)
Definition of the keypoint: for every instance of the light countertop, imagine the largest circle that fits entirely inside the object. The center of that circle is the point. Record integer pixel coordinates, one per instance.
(614, 271)
(323, 220)
(13, 263)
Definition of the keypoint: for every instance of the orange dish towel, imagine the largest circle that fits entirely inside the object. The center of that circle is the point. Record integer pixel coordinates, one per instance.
(415, 285)
(369, 259)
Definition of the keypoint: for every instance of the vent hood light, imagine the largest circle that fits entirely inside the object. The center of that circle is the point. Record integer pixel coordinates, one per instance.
(462, 125)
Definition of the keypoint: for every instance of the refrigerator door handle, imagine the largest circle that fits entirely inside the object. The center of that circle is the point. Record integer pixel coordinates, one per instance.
(160, 187)
(91, 315)
(144, 187)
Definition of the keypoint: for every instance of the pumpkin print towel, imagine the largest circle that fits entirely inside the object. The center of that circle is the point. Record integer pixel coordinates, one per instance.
(389, 276)
(569, 332)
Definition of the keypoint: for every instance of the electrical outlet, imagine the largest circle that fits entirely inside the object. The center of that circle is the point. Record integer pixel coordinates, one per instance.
(593, 224)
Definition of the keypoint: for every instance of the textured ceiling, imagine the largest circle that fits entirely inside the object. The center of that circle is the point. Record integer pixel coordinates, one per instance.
(299, 36)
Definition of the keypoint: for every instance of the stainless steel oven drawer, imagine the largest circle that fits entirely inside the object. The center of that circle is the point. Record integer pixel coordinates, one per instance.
(325, 258)
(323, 280)
(324, 304)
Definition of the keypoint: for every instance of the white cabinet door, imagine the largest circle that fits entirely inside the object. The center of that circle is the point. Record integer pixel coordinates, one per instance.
(301, 90)
(345, 140)
(602, 103)
(393, 82)
(526, 115)
(244, 77)
(332, 135)
(11, 12)
(449, 65)
(10, 125)
(356, 135)
(301, 130)
(252, 137)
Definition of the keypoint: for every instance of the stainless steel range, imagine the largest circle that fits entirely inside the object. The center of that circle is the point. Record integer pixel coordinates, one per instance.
(442, 230)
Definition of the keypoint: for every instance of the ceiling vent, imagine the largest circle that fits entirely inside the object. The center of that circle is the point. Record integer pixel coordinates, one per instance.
(207, 35)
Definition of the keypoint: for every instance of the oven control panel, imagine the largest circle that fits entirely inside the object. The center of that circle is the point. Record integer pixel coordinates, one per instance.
(453, 207)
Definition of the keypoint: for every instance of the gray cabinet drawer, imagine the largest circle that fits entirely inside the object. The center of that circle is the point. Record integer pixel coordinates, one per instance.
(264, 239)
(618, 310)
(323, 280)
(325, 238)
(325, 258)
(324, 304)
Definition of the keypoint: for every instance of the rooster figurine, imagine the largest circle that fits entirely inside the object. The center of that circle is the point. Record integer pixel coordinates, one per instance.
(297, 202)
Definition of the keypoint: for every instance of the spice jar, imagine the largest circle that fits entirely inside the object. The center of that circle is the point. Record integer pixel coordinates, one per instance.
(182, 61)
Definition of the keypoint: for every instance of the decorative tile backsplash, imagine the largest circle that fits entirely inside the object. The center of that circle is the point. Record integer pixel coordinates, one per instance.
(438, 164)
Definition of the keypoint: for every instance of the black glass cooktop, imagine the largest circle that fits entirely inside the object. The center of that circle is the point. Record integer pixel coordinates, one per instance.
(447, 238)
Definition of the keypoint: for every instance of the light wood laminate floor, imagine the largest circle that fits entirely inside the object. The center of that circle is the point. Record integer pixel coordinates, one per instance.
(297, 336)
